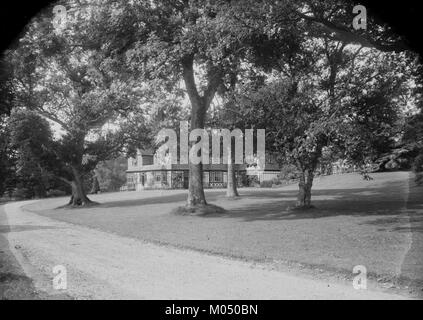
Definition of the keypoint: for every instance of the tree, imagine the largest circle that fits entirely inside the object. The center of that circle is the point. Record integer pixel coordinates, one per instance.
(111, 174)
(328, 95)
(30, 138)
(198, 42)
(231, 189)
(413, 141)
(66, 78)
(333, 19)
(95, 188)
(219, 118)
(6, 91)
(6, 158)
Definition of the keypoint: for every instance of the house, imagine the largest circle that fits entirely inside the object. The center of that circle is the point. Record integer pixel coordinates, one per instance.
(145, 173)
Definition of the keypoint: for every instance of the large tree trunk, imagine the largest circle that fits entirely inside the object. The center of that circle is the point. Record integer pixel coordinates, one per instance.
(199, 106)
(196, 189)
(305, 185)
(231, 189)
(79, 196)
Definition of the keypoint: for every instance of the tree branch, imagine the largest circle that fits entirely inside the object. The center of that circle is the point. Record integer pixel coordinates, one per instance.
(188, 74)
(348, 36)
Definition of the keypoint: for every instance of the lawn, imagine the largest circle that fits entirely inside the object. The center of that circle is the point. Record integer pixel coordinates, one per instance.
(377, 223)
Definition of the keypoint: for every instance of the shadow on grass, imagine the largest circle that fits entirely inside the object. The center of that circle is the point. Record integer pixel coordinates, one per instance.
(155, 200)
(214, 196)
(413, 224)
(285, 210)
(383, 202)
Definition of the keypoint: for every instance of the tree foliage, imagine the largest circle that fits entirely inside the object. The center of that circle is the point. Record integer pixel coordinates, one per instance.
(329, 96)
(66, 78)
(30, 139)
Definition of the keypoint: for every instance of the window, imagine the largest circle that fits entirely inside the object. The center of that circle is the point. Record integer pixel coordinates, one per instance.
(216, 176)
(177, 179)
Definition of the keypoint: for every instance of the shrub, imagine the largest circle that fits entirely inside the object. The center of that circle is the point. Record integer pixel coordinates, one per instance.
(277, 181)
(252, 181)
(288, 172)
(266, 184)
(418, 168)
(418, 163)
(392, 165)
(22, 194)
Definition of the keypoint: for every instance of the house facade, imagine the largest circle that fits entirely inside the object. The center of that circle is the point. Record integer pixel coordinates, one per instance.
(144, 173)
